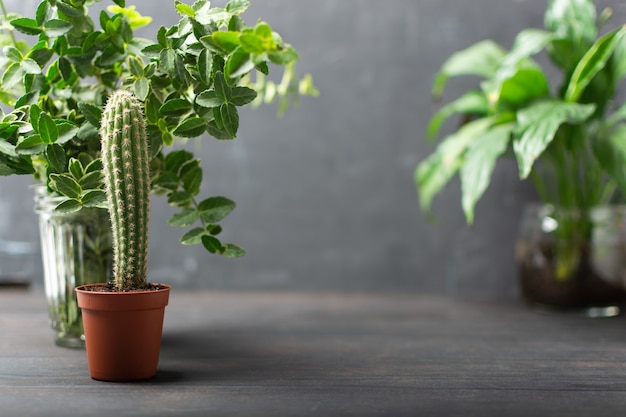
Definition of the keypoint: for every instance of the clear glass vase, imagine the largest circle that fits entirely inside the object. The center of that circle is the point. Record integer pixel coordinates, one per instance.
(573, 261)
(76, 250)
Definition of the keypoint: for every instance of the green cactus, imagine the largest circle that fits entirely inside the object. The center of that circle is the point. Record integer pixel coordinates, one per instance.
(127, 183)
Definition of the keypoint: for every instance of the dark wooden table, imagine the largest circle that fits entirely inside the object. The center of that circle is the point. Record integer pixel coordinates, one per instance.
(300, 354)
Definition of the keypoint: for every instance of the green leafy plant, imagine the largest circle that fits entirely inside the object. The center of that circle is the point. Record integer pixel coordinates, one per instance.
(569, 139)
(191, 79)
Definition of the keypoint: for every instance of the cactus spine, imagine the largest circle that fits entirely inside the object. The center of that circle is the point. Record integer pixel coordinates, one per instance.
(127, 182)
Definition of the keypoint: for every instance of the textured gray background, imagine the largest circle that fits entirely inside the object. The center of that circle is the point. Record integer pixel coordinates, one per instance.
(325, 195)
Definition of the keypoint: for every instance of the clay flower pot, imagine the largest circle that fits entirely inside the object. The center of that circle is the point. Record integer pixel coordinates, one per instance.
(122, 331)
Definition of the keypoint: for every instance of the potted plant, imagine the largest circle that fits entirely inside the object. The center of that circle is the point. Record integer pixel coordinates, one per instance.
(123, 319)
(191, 79)
(567, 138)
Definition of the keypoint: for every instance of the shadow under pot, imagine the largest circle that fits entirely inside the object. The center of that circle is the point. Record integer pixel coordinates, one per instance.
(572, 260)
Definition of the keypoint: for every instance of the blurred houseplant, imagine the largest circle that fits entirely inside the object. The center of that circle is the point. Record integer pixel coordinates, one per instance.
(569, 139)
(191, 79)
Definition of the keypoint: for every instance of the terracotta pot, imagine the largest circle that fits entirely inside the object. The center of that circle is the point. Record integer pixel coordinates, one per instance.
(122, 332)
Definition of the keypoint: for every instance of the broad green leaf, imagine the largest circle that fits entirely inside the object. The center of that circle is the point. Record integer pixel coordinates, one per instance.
(237, 7)
(41, 15)
(41, 56)
(230, 118)
(230, 250)
(91, 180)
(472, 103)
(93, 114)
(65, 185)
(537, 125)
(68, 206)
(574, 20)
(190, 128)
(95, 198)
(135, 66)
(482, 59)
(226, 40)
(479, 163)
(238, 64)
(528, 42)
(284, 56)
(12, 76)
(70, 11)
(221, 87)
(432, 174)
(193, 237)
(27, 99)
(12, 53)
(141, 86)
(55, 155)
(26, 25)
(175, 160)
(31, 145)
(205, 66)
(212, 244)
(47, 129)
(56, 27)
(593, 62)
(523, 85)
(67, 131)
(240, 96)
(29, 66)
(251, 43)
(610, 153)
(209, 99)
(214, 209)
(75, 168)
(175, 107)
(185, 10)
(167, 62)
(184, 218)
(65, 67)
(34, 113)
(180, 199)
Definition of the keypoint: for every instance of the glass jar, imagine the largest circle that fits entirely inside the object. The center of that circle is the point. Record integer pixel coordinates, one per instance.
(76, 250)
(573, 261)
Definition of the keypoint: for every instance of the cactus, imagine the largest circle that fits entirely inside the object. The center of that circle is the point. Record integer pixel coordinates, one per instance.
(127, 184)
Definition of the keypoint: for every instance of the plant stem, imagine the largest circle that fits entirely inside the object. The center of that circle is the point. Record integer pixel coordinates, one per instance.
(4, 15)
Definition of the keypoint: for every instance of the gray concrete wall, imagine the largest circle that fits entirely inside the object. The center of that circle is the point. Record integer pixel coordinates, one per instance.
(326, 196)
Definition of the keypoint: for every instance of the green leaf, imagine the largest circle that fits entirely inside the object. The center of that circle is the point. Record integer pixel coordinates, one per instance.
(31, 145)
(65, 67)
(41, 15)
(205, 66)
(472, 103)
(29, 66)
(141, 86)
(41, 56)
(66, 185)
(574, 20)
(93, 114)
(26, 26)
(527, 43)
(175, 107)
(135, 66)
(212, 244)
(27, 99)
(70, 11)
(56, 27)
(67, 131)
(68, 206)
(230, 118)
(91, 180)
(95, 198)
(55, 155)
(284, 56)
(537, 125)
(209, 99)
(482, 59)
(230, 250)
(226, 40)
(12, 76)
(190, 128)
(185, 10)
(480, 161)
(12, 53)
(47, 129)
(592, 62)
(610, 153)
(251, 43)
(214, 209)
(76, 168)
(238, 64)
(180, 199)
(184, 218)
(523, 85)
(240, 96)
(237, 7)
(193, 237)
(221, 87)
(433, 173)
